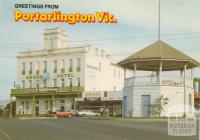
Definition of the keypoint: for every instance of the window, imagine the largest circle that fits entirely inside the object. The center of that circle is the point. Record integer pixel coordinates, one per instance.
(37, 67)
(54, 82)
(55, 66)
(190, 99)
(114, 88)
(62, 105)
(78, 64)
(63, 66)
(23, 68)
(78, 82)
(23, 104)
(46, 105)
(30, 83)
(70, 65)
(30, 67)
(114, 73)
(27, 105)
(51, 43)
(100, 66)
(45, 66)
(37, 84)
(118, 74)
(70, 82)
(45, 83)
(62, 101)
(63, 82)
(23, 84)
(37, 103)
(105, 94)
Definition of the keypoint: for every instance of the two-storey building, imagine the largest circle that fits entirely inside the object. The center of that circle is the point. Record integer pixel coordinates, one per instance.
(51, 78)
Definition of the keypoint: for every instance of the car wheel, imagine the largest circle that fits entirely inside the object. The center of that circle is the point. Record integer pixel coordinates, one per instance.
(70, 116)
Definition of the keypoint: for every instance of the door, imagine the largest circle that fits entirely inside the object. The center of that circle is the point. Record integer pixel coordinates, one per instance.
(145, 102)
(37, 108)
(125, 107)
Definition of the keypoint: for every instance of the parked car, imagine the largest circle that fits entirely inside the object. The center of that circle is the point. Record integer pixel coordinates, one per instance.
(50, 113)
(64, 114)
(74, 113)
(88, 113)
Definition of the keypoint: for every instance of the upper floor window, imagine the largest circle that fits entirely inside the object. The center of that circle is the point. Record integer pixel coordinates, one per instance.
(23, 68)
(63, 66)
(63, 82)
(30, 84)
(114, 88)
(23, 84)
(100, 66)
(30, 67)
(119, 74)
(55, 65)
(51, 43)
(70, 65)
(45, 66)
(54, 82)
(44, 83)
(37, 84)
(37, 67)
(78, 64)
(78, 82)
(114, 73)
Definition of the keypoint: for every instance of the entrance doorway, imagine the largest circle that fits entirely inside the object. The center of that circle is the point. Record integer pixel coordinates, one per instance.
(37, 110)
(145, 102)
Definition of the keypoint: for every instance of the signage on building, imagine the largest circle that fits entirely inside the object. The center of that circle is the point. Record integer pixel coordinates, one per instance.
(196, 96)
(34, 77)
(92, 94)
(92, 67)
(64, 75)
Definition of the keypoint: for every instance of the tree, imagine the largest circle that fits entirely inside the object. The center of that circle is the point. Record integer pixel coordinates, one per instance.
(158, 106)
(13, 107)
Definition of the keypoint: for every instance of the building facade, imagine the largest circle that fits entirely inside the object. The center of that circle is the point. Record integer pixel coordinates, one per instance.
(53, 77)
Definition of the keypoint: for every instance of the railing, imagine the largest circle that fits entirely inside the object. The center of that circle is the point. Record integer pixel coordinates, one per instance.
(154, 80)
(47, 90)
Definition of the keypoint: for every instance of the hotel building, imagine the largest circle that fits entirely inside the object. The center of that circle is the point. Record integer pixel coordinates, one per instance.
(66, 78)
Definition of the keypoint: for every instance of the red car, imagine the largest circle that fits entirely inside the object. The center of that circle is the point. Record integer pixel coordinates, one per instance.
(64, 114)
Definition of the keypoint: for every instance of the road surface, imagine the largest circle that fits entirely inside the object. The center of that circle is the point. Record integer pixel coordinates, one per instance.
(85, 129)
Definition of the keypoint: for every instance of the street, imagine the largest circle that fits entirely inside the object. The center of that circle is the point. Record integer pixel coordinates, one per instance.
(85, 129)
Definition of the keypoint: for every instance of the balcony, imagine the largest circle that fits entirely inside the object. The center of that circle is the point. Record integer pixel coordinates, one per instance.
(154, 81)
(48, 90)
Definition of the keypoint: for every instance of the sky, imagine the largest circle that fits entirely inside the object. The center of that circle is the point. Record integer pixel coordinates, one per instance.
(137, 27)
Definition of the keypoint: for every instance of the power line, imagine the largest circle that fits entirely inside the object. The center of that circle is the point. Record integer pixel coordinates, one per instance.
(103, 39)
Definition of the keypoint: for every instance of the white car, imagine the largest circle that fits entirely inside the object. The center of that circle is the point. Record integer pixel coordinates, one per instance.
(88, 113)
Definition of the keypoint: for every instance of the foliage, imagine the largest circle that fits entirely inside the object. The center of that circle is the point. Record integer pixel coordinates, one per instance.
(158, 106)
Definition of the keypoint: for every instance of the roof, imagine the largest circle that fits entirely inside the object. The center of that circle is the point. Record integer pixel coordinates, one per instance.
(150, 57)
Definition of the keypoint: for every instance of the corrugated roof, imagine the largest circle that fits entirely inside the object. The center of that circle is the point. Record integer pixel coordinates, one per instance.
(150, 57)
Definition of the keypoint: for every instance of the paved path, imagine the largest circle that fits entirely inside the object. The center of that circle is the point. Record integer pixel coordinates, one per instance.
(83, 129)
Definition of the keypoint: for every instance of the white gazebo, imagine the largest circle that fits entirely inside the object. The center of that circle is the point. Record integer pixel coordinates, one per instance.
(158, 58)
